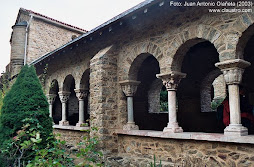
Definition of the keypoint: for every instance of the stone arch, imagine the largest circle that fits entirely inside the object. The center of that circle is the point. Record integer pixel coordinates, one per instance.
(84, 81)
(67, 82)
(53, 87)
(57, 107)
(246, 35)
(135, 66)
(182, 42)
(139, 53)
(205, 89)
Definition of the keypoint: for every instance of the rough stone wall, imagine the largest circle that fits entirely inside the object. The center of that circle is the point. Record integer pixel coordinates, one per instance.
(171, 43)
(205, 90)
(45, 37)
(154, 96)
(59, 71)
(72, 137)
(219, 85)
(103, 97)
(139, 151)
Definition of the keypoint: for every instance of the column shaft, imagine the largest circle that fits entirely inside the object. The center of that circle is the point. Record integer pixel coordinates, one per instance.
(130, 109)
(51, 110)
(81, 95)
(234, 104)
(64, 112)
(233, 71)
(170, 81)
(64, 97)
(81, 111)
(129, 88)
(172, 107)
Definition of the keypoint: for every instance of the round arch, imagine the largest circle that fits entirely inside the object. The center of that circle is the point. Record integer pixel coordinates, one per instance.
(178, 48)
(67, 82)
(243, 40)
(133, 59)
(84, 81)
(53, 87)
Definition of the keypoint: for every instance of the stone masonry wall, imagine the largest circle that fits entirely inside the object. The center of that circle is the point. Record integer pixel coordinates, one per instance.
(170, 44)
(103, 97)
(139, 151)
(45, 37)
(72, 137)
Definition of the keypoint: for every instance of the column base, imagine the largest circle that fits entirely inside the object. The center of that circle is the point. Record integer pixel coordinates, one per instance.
(173, 128)
(81, 124)
(130, 126)
(236, 130)
(64, 123)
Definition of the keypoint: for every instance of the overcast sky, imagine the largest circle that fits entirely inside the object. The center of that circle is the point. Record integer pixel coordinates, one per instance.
(86, 14)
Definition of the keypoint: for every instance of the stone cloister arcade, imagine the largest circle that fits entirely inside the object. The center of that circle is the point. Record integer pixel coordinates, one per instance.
(69, 105)
(188, 80)
(114, 80)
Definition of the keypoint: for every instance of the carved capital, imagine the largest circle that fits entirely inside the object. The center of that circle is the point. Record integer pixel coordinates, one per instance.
(171, 80)
(51, 98)
(64, 96)
(129, 87)
(81, 93)
(233, 70)
(233, 75)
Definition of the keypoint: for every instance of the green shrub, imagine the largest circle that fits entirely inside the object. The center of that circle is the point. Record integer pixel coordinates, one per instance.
(163, 101)
(25, 100)
(216, 103)
(4, 87)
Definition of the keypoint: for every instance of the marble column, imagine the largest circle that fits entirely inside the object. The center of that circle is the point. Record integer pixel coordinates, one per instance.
(129, 87)
(233, 71)
(64, 97)
(170, 81)
(51, 99)
(81, 95)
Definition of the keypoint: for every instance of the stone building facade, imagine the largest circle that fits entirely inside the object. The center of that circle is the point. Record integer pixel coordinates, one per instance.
(35, 35)
(107, 75)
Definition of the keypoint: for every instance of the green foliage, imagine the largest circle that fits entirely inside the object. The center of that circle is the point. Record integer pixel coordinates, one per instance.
(163, 101)
(57, 154)
(24, 100)
(18, 150)
(4, 87)
(216, 103)
(88, 152)
(26, 137)
(53, 154)
(153, 164)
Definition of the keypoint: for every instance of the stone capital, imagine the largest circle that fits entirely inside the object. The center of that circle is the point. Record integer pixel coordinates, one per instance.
(81, 93)
(171, 80)
(64, 96)
(233, 70)
(51, 98)
(129, 87)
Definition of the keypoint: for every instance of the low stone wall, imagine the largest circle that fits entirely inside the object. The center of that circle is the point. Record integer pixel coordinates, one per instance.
(139, 151)
(72, 137)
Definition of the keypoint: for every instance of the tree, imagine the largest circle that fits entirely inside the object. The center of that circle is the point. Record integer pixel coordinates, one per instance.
(24, 100)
